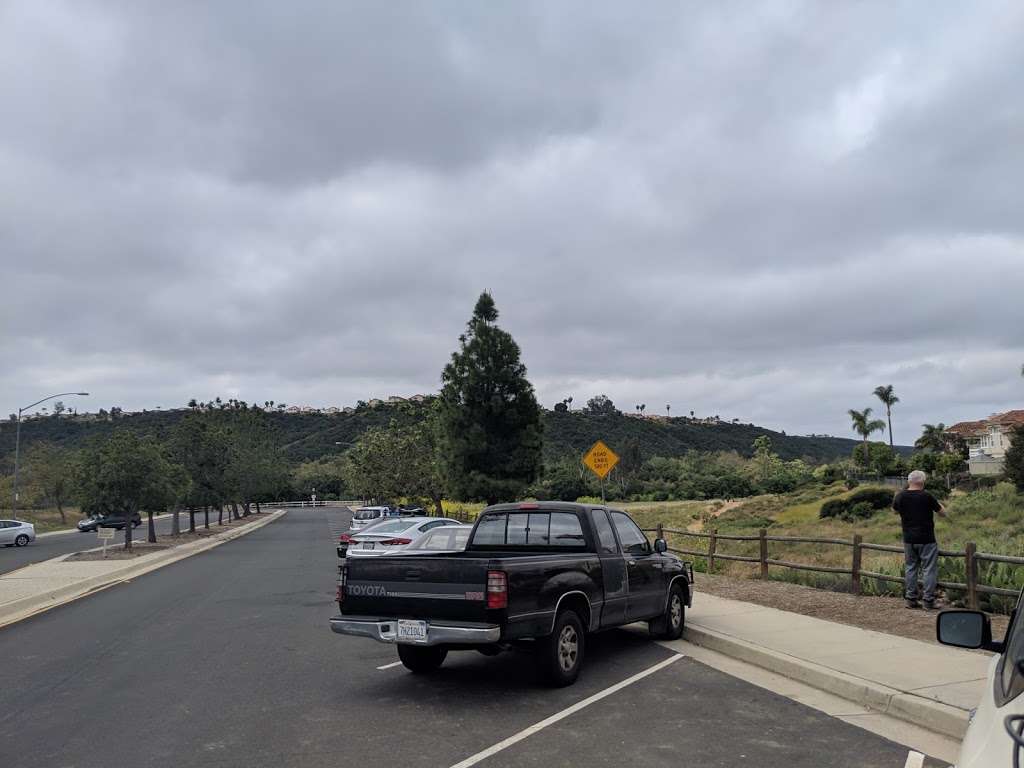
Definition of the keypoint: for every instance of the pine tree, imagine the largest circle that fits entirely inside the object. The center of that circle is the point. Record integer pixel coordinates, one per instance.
(1014, 461)
(489, 424)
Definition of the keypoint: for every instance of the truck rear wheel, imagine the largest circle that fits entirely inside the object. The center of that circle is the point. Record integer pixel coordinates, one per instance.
(669, 626)
(561, 653)
(420, 659)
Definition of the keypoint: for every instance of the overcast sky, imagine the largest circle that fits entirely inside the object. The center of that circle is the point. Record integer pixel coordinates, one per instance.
(760, 211)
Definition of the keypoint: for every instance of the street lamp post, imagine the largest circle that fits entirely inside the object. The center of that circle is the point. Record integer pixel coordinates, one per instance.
(17, 440)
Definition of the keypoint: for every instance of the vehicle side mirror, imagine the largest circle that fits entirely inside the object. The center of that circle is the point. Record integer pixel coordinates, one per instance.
(966, 629)
(660, 545)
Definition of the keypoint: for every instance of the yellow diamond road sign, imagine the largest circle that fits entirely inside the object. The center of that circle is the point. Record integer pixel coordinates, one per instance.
(600, 459)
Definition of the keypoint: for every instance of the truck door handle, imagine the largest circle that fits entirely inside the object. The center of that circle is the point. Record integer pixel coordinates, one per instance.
(631, 562)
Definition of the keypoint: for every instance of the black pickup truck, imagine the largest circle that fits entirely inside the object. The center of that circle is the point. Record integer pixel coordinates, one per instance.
(538, 575)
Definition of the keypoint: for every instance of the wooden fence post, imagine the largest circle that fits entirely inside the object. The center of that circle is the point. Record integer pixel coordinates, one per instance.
(972, 575)
(660, 531)
(855, 569)
(762, 536)
(712, 542)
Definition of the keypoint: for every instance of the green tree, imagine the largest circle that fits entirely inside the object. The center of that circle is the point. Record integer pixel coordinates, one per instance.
(202, 444)
(1014, 462)
(125, 474)
(489, 423)
(880, 457)
(865, 426)
(601, 404)
(255, 467)
(51, 470)
(932, 439)
(326, 475)
(889, 399)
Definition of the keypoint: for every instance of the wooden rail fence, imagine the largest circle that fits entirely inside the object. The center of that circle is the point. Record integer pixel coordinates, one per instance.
(972, 588)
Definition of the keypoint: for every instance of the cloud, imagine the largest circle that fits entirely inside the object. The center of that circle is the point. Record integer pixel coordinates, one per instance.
(756, 213)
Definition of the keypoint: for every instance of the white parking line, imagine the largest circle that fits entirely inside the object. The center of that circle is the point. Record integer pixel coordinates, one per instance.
(526, 732)
(914, 760)
(389, 666)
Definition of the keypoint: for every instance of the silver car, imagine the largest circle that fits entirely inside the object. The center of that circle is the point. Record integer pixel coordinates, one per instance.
(367, 516)
(393, 536)
(443, 539)
(15, 533)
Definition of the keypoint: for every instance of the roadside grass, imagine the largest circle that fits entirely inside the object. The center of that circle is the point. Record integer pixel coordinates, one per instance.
(992, 518)
(46, 519)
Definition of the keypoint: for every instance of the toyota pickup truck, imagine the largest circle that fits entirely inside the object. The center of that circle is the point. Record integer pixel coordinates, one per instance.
(539, 576)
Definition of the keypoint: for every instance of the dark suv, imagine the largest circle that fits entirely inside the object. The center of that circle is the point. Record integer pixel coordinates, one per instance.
(93, 522)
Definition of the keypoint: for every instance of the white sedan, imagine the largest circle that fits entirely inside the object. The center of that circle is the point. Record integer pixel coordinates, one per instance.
(393, 536)
(16, 533)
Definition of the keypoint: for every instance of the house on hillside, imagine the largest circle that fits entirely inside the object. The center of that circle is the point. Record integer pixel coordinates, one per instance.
(987, 440)
(332, 410)
(418, 399)
(375, 402)
(348, 410)
(395, 399)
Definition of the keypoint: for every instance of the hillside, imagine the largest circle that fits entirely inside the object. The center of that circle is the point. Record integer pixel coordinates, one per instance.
(305, 436)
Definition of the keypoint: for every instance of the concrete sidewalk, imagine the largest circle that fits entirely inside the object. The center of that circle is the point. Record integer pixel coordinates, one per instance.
(41, 586)
(927, 684)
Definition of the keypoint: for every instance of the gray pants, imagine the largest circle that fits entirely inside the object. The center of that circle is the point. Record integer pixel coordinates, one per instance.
(920, 556)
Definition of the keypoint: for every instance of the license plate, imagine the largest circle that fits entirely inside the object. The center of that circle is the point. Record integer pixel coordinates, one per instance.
(410, 631)
(367, 545)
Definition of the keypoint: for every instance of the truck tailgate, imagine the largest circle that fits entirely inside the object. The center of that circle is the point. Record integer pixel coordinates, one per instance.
(419, 587)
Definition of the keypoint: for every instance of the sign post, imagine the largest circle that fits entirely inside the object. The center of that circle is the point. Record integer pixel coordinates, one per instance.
(105, 535)
(600, 460)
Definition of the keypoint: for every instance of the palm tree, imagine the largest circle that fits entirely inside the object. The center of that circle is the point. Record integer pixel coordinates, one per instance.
(864, 426)
(668, 410)
(887, 396)
(643, 407)
(568, 402)
(933, 438)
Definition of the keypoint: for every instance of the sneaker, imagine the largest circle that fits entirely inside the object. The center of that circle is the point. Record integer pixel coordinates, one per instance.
(913, 604)
(929, 605)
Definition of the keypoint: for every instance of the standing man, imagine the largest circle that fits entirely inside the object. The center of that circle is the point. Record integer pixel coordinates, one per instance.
(916, 508)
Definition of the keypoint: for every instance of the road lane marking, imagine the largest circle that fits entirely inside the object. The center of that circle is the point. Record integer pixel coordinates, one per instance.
(527, 732)
(914, 760)
(389, 666)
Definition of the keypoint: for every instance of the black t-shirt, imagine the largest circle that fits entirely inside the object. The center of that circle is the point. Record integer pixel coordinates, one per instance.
(916, 510)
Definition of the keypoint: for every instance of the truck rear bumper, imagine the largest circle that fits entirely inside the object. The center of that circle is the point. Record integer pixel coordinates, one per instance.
(438, 633)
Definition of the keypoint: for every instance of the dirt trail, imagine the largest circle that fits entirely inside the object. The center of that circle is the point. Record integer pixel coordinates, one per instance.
(714, 509)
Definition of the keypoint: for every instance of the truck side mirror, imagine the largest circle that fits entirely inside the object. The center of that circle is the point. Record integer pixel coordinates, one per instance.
(660, 545)
(966, 629)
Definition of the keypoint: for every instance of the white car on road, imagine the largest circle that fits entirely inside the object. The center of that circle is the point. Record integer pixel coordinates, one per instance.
(994, 736)
(393, 535)
(16, 533)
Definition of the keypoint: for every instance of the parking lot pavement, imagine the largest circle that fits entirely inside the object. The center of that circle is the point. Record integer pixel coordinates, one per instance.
(231, 654)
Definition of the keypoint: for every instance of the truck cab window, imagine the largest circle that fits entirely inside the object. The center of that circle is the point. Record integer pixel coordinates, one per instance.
(605, 537)
(630, 536)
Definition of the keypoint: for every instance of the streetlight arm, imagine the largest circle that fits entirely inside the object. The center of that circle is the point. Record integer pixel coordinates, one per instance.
(50, 397)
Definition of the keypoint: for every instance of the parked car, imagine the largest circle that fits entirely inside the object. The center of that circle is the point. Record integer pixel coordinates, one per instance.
(446, 538)
(994, 735)
(16, 533)
(538, 575)
(93, 522)
(365, 516)
(346, 539)
(393, 536)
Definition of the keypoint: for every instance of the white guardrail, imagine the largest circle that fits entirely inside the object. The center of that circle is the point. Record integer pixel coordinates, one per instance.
(317, 503)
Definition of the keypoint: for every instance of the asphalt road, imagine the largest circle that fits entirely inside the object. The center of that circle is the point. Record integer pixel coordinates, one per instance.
(12, 558)
(226, 659)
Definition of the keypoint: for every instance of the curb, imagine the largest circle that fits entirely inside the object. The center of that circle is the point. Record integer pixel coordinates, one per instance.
(921, 711)
(20, 609)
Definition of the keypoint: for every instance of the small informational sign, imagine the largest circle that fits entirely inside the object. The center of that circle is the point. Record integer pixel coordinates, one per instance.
(600, 459)
(105, 535)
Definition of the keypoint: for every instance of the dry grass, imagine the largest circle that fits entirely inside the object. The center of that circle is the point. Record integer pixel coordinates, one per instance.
(46, 519)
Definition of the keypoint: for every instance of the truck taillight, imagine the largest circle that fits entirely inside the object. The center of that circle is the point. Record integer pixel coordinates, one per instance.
(342, 579)
(497, 589)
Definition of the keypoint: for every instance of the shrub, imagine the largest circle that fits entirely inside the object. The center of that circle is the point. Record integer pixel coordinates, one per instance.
(860, 511)
(865, 501)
